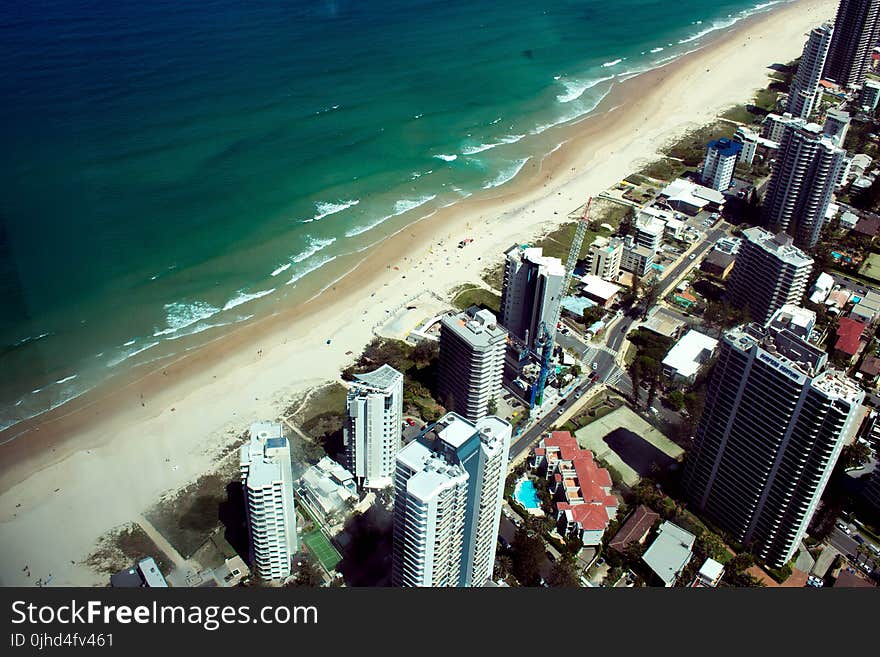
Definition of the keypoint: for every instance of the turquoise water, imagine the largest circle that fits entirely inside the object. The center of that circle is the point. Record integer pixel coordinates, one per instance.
(525, 494)
(174, 168)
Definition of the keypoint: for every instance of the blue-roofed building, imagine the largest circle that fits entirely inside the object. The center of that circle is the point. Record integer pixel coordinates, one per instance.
(720, 163)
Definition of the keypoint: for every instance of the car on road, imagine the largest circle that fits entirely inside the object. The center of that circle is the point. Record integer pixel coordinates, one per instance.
(858, 539)
(692, 256)
(560, 411)
(595, 366)
(578, 394)
(410, 422)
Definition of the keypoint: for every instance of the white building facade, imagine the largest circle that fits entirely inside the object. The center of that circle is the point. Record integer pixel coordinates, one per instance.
(531, 292)
(805, 85)
(267, 480)
(372, 429)
(449, 487)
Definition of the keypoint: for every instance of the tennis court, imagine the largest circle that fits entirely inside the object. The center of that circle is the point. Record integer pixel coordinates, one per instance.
(322, 549)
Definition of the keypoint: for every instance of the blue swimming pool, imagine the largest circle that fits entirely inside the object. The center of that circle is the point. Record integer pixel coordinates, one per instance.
(525, 494)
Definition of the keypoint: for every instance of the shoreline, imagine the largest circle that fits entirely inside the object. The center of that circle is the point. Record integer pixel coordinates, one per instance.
(206, 397)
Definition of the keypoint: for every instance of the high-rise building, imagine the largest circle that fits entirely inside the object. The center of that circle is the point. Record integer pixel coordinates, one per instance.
(774, 125)
(804, 177)
(372, 428)
(469, 373)
(720, 163)
(636, 259)
(449, 488)
(869, 95)
(836, 126)
(531, 293)
(772, 429)
(603, 259)
(749, 140)
(805, 85)
(267, 480)
(856, 30)
(769, 272)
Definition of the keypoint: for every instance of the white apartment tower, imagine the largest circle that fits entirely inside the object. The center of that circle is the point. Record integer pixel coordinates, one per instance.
(371, 434)
(720, 163)
(769, 272)
(805, 86)
(531, 293)
(604, 258)
(449, 488)
(807, 168)
(471, 366)
(267, 479)
(772, 429)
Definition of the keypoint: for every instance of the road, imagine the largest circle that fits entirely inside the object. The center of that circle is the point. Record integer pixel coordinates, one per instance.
(848, 546)
(603, 355)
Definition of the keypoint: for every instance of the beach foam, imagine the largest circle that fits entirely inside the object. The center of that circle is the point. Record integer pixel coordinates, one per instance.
(508, 174)
(326, 209)
(179, 315)
(243, 297)
(574, 89)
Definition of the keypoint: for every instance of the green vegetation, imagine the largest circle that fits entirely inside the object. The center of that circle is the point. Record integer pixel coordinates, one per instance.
(122, 548)
(645, 367)
(739, 114)
(322, 549)
(494, 276)
(417, 363)
(188, 517)
(474, 295)
(666, 169)
(691, 148)
(765, 99)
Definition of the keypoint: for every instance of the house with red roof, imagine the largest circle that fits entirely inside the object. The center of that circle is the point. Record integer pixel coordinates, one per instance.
(581, 490)
(849, 338)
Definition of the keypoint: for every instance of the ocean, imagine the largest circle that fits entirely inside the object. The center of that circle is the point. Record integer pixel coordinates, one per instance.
(171, 169)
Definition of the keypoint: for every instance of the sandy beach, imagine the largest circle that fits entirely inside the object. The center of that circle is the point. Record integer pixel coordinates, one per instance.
(98, 462)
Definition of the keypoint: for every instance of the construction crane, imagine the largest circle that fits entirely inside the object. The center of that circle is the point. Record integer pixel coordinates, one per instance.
(545, 337)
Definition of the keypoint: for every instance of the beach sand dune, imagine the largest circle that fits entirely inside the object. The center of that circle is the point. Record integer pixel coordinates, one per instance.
(101, 461)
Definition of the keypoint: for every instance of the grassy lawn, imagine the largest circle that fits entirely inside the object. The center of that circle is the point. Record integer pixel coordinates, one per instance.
(474, 295)
(665, 169)
(870, 269)
(738, 113)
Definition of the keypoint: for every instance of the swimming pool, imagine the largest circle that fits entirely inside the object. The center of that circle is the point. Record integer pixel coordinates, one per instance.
(525, 494)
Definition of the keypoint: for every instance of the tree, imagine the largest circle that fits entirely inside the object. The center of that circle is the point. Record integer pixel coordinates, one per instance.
(492, 407)
(527, 554)
(711, 545)
(635, 375)
(676, 399)
(307, 574)
(854, 456)
(564, 573)
(652, 294)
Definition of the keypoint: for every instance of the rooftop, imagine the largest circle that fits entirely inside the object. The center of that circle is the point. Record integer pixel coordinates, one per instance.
(383, 378)
(726, 147)
(691, 193)
(670, 552)
(782, 246)
(598, 287)
(479, 328)
(636, 526)
(849, 333)
(690, 353)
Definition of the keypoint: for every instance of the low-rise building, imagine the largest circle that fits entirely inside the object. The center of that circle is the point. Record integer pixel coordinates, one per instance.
(603, 258)
(849, 338)
(867, 226)
(837, 300)
(328, 489)
(635, 529)
(689, 197)
(718, 264)
(602, 292)
(849, 220)
(145, 573)
(581, 490)
(870, 369)
(710, 574)
(670, 552)
(821, 288)
(728, 245)
(688, 355)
